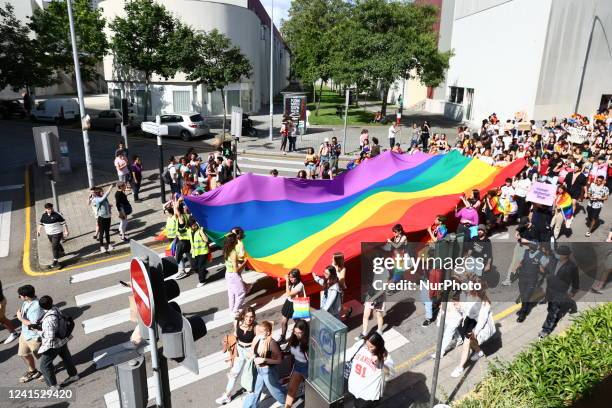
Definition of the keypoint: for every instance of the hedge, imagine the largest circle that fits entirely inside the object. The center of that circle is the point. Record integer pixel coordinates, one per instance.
(553, 372)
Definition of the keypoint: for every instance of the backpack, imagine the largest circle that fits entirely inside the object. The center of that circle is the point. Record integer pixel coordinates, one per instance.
(65, 326)
(166, 176)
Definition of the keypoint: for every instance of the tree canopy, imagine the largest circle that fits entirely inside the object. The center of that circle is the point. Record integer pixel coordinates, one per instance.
(52, 36)
(22, 65)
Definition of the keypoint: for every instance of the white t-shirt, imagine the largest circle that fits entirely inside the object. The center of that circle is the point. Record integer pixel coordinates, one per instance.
(367, 380)
(121, 162)
(172, 171)
(392, 131)
(507, 191)
(297, 353)
(299, 288)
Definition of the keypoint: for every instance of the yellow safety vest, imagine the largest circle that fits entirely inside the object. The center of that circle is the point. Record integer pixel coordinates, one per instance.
(199, 243)
(184, 234)
(171, 227)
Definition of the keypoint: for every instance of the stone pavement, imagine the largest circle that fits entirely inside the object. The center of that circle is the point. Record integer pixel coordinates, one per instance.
(411, 386)
(146, 220)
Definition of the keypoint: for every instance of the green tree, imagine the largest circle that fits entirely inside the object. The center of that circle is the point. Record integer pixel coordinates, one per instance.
(216, 63)
(52, 36)
(22, 65)
(383, 41)
(309, 33)
(150, 41)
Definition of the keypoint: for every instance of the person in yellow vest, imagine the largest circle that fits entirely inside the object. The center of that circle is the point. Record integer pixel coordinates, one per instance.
(183, 241)
(169, 230)
(199, 251)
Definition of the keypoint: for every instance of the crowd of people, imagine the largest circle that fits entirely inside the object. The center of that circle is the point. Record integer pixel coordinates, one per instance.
(573, 154)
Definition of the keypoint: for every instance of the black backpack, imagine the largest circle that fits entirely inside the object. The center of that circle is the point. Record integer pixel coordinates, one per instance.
(166, 176)
(65, 325)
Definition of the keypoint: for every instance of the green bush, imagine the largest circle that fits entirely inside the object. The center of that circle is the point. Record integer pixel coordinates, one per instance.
(553, 372)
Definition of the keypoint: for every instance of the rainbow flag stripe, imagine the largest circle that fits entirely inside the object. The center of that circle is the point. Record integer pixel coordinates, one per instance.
(294, 223)
(564, 201)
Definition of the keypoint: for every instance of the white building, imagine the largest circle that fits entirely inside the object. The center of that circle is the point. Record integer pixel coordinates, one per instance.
(247, 25)
(23, 9)
(544, 57)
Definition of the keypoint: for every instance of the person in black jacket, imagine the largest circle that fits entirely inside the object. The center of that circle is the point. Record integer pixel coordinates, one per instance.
(562, 275)
(576, 185)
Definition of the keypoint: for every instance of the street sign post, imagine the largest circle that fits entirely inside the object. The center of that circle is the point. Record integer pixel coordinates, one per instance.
(236, 131)
(47, 146)
(159, 130)
(141, 289)
(143, 297)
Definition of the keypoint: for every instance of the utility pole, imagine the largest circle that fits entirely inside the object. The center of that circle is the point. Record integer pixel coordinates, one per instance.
(162, 183)
(346, 106)
(271, 70)
(77, 74)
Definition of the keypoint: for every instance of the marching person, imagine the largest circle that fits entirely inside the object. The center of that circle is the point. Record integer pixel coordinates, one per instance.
(13, 335)
(183, 243)
(236, 290)
(267, 356)
(331, 296)
(393, 131)
(563, 275)
(29, 341)
(293, 288)
(298, 347)
(199, 250)
(56, 230)
(245, 333)
(531, 268)
(597, 194)
(371, 366)
(478, 327)
(53, 345)
(103, 216)
(124, 209)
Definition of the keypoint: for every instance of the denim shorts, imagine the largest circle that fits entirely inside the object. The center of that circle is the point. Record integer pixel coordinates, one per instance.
(301, 368)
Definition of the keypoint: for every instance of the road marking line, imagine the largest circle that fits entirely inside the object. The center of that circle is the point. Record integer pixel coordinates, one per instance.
(408, 363)
(260, 167)
(109, 270)
(258, 159)
(121, 316)
(11, 187)
(5, 228)
(114, 290)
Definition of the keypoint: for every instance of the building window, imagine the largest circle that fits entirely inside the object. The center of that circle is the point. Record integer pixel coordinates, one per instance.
(456, 95)
(232, 99)
(246, 96)
(116, 99)
(216, 104)
(181, 101)
(138, 98)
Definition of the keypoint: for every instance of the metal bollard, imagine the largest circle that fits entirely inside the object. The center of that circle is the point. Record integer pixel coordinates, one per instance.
(132, 383)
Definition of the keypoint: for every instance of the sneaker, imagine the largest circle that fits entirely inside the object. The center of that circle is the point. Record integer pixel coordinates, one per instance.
(181, 275)
(459, 341)
(69, 380)
(222, 400)
(521, 318)
(199, 285)
(426, 322)
(103, 250)
(30, 375)
(476, 356)
(506, 282)
(110, 247)
(433, 356)
(12, 337)
(457, 372)
(360, 337)
(54, 387)
(543, 334)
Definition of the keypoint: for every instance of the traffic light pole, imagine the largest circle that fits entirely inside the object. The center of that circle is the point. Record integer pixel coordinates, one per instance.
(159, 401)
(162, 185)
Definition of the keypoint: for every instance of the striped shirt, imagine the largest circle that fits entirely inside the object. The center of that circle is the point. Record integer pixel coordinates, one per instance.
(54, 223)
(50, 326)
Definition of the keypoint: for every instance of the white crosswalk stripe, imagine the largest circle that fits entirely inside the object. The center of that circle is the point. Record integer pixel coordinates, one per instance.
(5, 228)
(259, 165)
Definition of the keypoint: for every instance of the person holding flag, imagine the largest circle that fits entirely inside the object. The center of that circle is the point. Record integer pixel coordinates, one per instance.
(563, 211)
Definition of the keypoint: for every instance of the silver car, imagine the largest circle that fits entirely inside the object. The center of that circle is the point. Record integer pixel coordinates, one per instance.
(111, 120)
(185, 125)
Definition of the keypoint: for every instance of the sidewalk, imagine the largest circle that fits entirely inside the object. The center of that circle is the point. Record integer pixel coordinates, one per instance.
(316, 134)
(411, 386)
(144, 223)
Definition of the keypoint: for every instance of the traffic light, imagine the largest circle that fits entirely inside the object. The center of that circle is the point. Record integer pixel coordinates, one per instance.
(178, 334)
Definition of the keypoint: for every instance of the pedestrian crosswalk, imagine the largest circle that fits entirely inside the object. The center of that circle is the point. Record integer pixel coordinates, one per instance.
(105, 319)
(263, 165)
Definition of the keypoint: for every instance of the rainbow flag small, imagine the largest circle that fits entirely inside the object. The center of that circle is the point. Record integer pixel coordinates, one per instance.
(301, 308)
(564, 201)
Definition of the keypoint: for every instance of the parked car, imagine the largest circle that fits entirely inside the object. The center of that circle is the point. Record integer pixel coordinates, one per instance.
(11, 108)
(111, 120)
(185, 125)
(56, 110)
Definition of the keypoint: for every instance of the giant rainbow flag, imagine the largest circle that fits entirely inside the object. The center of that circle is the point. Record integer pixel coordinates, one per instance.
(294, 223)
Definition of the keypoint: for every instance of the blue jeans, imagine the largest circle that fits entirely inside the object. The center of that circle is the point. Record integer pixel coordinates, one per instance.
(427, 303)
(267, 376)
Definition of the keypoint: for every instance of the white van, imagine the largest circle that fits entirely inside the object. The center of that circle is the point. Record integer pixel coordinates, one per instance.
(56, 110)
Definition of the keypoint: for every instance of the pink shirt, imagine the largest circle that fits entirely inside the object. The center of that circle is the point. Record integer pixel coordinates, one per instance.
(467, 214)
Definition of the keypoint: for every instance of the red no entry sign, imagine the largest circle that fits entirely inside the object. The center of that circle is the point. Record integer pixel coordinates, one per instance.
(141, 289)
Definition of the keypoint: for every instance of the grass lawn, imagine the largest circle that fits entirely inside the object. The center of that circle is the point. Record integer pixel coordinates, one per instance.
(327, 111)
